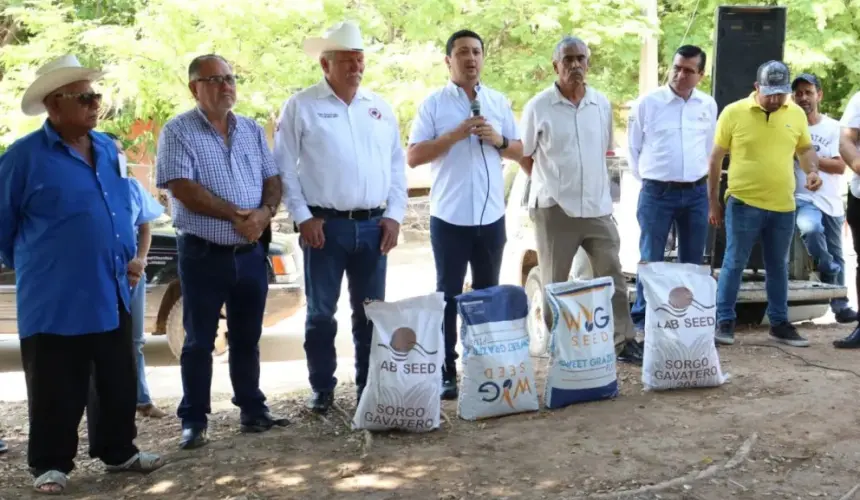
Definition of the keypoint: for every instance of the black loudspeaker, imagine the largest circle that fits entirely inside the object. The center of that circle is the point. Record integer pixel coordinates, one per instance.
(744, 38)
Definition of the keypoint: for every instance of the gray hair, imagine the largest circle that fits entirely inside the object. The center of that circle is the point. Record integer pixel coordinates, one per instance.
(194, 67)
(566, 42)
(328, 55)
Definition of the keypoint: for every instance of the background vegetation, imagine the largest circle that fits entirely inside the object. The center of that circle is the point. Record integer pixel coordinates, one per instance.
(146, 46)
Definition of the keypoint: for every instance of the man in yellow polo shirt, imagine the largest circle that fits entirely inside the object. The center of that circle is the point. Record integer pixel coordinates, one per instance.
(762, 134)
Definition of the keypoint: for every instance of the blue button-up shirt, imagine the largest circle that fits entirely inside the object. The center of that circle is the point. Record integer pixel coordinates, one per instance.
(144, 208)
(65, 229)
(190, 148)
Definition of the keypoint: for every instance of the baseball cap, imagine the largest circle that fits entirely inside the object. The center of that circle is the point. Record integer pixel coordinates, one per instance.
(773, 78)
(808, 78)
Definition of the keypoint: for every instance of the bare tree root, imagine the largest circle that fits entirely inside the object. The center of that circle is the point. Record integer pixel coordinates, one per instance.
(368, 442)
(850, 494)
(445, 417)
(739, 457)
(347, 421)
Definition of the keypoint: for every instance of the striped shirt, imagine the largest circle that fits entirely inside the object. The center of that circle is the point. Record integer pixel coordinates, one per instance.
(191, 148)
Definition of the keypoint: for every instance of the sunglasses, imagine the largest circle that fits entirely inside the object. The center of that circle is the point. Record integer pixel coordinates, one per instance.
(83, 98)
(219, 79)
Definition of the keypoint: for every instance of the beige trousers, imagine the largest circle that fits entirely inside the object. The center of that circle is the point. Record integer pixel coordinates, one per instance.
(559, 238)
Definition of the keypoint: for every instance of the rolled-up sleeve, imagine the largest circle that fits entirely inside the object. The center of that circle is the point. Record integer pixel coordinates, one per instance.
(11, 193)
(269, 168)
(174, 159)
(529, 127)
(636, 136)
(150, 209)
(423, 128)
(397, 194)
(509, 127)
(287, 150)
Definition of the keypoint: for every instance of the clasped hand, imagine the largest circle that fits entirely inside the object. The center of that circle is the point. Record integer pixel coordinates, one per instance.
(477, 125)
(251, 223)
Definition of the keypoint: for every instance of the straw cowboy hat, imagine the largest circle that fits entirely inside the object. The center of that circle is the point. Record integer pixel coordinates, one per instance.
(53, 75)
(342, 36)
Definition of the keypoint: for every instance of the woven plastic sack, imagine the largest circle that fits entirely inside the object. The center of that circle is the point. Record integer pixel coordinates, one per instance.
(582, 343)
(406, 356)
(498, 377)
(680, 322)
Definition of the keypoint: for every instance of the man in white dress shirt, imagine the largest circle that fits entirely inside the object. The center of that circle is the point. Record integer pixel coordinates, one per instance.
(821, 213)
(849, 148)
(567, 130)
(338, 149)
(464, 130)
(670, 134)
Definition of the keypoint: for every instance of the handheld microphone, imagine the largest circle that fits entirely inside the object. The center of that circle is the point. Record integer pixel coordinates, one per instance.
(476, 108)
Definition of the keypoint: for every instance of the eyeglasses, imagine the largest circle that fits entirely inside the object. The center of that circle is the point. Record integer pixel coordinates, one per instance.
(83, 98)
(219, 79)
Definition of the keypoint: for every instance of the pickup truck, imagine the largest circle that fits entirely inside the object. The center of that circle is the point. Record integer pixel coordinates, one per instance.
(808, 298)
(164, 296)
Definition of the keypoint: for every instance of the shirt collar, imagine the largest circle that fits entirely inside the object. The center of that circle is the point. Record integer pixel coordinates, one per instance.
(669, 95)
(324, 90)
(588, 98)
(457, 91)
(231, 119)
(752, 103)
(54, 137)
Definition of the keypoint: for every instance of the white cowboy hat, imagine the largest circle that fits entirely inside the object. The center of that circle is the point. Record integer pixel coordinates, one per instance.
(53, 75)
(342, 36)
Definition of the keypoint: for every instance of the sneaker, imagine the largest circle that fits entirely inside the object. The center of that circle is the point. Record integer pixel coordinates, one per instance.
(631, 352)
(725, 333)
(449, 384)
(787, 334)
(846, 315)
(3, 447)
(151, 411)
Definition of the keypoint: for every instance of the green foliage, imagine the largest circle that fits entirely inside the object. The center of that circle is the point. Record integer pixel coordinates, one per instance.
(823, 37)
(146, 45)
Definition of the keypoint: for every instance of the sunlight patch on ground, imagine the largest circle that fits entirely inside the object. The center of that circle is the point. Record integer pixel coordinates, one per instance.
(160, 487)
(291, 480)
(221, 481)
(368, 481)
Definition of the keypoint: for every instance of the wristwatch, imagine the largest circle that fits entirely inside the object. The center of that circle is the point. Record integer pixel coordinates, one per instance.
(504, 144)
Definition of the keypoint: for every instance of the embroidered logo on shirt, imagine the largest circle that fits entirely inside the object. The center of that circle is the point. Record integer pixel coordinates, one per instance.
(327, 115)
(375, 113)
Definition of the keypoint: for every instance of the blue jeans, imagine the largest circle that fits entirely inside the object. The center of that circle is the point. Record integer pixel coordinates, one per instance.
(138, 309)
(660, 206)
(822, 236)
(211, 276)
(744, 226)
(454, 249)
(351, 247)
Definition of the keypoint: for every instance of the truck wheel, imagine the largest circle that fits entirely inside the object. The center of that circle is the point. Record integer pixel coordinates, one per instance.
(535, 324)
(176, 331)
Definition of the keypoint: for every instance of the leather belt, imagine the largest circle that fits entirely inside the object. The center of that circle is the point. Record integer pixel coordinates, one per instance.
(236, 249)
(360, 215)
(681, 185)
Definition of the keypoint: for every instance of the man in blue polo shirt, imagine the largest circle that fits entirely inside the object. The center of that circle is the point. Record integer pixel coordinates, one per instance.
(65, 228)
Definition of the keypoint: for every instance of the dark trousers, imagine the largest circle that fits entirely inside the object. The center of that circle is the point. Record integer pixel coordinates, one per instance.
(58, 371)
(211, 276)
(455, 248)
(852, 215)
(351, 247)
(661, 205)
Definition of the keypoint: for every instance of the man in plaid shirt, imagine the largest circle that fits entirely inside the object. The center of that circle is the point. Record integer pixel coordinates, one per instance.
(225, 189)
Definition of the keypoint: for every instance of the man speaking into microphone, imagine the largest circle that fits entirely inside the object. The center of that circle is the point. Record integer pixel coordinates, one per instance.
(464, 130)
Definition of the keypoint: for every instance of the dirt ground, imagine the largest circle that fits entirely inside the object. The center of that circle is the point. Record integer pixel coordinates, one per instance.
(780, 429)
